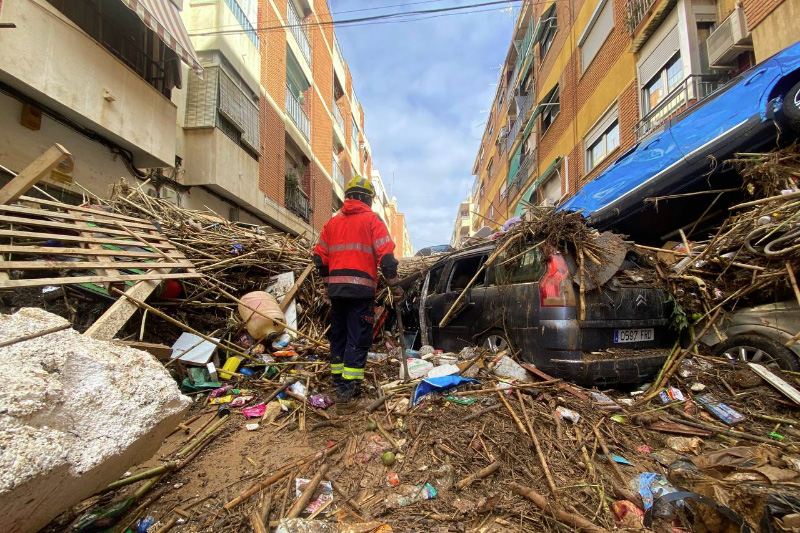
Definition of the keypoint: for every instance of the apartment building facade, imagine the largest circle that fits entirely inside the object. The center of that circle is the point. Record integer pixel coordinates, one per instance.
(584, 80)
(310, 112)
(462, 229)
(245, 107)
(94, 76)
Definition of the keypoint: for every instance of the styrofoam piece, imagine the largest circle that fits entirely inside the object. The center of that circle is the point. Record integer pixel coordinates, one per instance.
(193, 349)
(76, 414)
(508, 368)
(442, 370)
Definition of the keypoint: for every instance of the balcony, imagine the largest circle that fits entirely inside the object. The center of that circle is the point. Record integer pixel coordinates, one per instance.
(337, 115)
(140, 119)
(524, 172)
(691, 91)
(338, 173)
(649, 12)
(523, 114)
(295, 111)
(297, 202)
(299, 31)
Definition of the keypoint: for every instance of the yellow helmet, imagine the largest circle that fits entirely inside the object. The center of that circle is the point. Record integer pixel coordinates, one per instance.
(360, 185)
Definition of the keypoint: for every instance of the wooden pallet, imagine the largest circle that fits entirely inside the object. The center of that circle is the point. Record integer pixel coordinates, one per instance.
(69, 244)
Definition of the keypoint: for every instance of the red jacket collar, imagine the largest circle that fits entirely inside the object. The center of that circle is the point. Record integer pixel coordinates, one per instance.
(353, 207)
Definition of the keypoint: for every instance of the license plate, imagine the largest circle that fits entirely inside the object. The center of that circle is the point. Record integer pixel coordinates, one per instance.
(633, 335)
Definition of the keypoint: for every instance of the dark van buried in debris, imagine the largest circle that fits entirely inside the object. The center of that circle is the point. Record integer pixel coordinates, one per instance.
(531, 304)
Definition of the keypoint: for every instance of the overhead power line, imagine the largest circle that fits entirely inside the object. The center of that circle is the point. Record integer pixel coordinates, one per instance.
(421, 14)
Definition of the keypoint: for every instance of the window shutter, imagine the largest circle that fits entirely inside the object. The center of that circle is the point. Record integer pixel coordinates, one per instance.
(601, 126)
(201, 99)
(663, 52)
(238, 108)
(598, 33)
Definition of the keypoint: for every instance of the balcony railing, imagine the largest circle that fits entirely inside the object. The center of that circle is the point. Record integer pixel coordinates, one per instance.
(297, 202)
(518, 181)
(299, 31)
(295, 110)
(338, 173)
(337, 114)
(523, 114)
(637, 10)
(688, 93)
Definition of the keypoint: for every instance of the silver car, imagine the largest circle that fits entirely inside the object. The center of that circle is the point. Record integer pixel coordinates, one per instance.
(759, 334)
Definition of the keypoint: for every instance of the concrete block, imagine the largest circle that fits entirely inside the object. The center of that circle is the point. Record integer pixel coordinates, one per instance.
(75, 414)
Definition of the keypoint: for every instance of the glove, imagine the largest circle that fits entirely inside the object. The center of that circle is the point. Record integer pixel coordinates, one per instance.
(395, 289)
(325, 298)
(398, 294)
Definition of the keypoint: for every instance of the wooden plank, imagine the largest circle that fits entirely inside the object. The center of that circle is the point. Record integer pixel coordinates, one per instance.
(33, 173)
(776, 381)
(83, 265)
(110, 322)
(293, 291)
(161, 352)
(112, 272)
(75, 238)
(82, 209)
(14, 283)
(92, 215)
(52, 250)
(75, 225)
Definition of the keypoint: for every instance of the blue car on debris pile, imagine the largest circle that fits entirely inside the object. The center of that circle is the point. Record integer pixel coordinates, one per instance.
(746, 115)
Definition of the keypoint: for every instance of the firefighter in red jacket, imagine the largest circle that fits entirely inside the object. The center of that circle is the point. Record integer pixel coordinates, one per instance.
(351, 246)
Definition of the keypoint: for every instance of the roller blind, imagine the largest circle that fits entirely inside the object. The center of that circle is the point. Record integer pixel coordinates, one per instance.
(600, 28)
(648, 66)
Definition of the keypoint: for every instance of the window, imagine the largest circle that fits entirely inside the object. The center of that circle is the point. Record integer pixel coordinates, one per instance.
(550, 191)
(490, 129)
(218, 101)
(354, 135)
(463, 272)
(664, 82)
(596, 32)
(527, 268)
(602, 139)
(464, 213)
(489, 167)
(481, 191)
(435, 276)
(503, 191)
(546, 30)
(491, 211)
(550, 108)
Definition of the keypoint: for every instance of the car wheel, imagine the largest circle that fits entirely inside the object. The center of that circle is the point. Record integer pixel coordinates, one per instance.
(495, 342)
(791, 104)
(755, 349)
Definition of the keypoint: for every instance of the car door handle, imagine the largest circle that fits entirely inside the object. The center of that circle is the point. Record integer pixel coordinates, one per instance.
(755, 76)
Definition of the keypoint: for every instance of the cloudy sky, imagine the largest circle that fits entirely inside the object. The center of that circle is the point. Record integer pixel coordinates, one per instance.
(425, 87)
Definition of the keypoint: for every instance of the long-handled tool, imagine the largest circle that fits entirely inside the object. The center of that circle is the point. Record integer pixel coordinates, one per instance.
(401, 333)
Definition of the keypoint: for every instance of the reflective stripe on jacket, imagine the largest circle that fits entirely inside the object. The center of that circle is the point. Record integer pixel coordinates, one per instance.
(350, 248)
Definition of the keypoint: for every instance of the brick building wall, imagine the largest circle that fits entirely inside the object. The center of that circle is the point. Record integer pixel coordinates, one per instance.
(755, 11)
(271, 164)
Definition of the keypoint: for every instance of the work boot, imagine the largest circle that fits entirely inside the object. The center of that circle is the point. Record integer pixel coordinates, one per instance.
(337, 381)
(347, 395)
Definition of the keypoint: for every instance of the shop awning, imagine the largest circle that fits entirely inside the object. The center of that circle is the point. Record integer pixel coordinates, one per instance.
(163, 17)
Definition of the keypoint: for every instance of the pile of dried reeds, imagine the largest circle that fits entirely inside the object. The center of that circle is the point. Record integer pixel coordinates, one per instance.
(235, 259)
(755, 253)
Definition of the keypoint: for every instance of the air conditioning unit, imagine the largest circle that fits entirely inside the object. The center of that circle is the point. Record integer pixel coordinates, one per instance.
(730, 39)
(503, 133)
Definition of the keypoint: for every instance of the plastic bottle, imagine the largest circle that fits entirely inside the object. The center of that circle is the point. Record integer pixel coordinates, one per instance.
(409, 494)
(231, 365)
